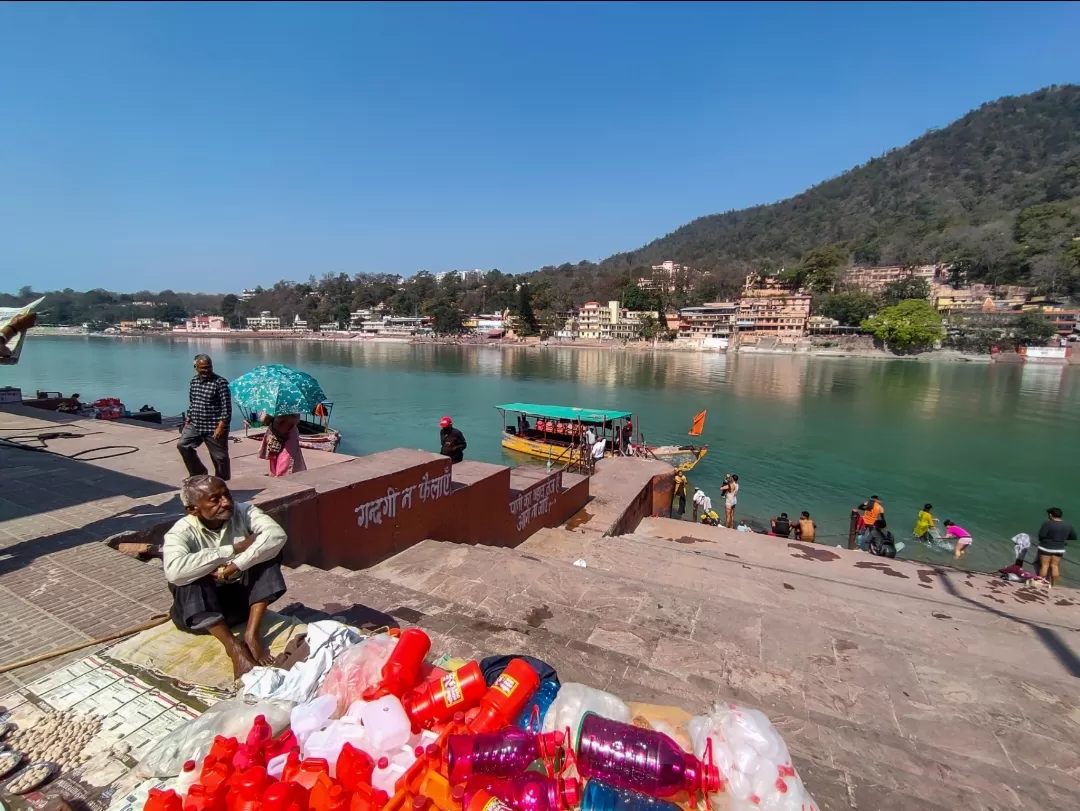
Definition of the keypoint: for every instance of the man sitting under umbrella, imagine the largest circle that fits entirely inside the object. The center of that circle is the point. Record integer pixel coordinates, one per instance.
(223, 564)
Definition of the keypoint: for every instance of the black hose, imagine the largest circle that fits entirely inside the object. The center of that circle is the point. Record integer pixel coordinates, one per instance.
(43, 438)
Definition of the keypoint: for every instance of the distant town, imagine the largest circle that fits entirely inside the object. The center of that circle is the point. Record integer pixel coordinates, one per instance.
(768, 312)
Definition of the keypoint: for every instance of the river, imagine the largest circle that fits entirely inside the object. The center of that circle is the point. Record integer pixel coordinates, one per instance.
(991, 446)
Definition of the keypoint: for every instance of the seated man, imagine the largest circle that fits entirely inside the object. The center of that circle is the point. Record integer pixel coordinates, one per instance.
(222, 561)
(781, 526)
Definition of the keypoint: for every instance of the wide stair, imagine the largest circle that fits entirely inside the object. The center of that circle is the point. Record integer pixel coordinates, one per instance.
(864, 705)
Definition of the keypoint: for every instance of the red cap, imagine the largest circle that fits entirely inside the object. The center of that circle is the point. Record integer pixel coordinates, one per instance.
(710, 778)
(384, 763)
(571, 792)
(445, 421)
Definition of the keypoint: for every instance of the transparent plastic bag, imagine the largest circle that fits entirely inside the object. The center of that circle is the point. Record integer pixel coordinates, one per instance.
(574, 700)
(232, 719)
(357, 669)
(753, 760)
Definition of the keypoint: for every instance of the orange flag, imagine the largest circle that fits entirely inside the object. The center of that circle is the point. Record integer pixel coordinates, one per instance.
(699, 424)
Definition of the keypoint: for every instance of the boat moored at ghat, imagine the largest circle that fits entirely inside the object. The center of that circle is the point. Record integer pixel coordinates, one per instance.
(557, 435)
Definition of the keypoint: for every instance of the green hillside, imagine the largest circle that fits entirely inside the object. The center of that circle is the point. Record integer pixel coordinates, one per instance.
(997, 191)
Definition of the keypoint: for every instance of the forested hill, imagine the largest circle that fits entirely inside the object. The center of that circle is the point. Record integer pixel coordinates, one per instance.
(954, 192)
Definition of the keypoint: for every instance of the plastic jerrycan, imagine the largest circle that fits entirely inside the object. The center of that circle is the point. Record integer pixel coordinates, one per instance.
(402, 670)
(201, 798)
(504, 753)
(531, 791)
(247, 790)
(507, 697)
(437, 701)
(640, 759)
(305, 773)
(327, 795)
(599, 796)
(354, 767)
(163, 800)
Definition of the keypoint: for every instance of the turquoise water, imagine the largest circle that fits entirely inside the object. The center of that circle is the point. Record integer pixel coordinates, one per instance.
(991, 446)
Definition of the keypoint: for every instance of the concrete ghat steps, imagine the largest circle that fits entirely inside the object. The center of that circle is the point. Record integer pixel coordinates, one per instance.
(830, 689)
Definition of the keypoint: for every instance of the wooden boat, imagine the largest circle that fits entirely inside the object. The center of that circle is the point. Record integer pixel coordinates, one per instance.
(556, 434)
(315, 431)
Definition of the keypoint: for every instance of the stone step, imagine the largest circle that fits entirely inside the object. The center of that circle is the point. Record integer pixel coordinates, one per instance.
(790, 651)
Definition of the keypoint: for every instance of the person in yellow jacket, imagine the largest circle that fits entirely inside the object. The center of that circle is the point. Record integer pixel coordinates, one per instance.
(925, 523)
(680, 491)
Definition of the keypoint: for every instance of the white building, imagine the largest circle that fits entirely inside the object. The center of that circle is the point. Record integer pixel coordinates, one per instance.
(597, 322)
(264, 322)
(463, 275)
(248, 294)
(299, 324)
(664, 277)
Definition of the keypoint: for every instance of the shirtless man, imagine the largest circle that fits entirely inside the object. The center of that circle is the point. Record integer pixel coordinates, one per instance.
(222, 561)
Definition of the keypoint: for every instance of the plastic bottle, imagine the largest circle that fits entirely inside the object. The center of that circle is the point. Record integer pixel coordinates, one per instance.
(541, 700)
(437, 701)
(504, 700)
(386, 775)
(599, 796)
(222, 751)
(187, 778)
(354, 767)
(201, 798)
(640, 759)
(367, 798)
(326, 795)
(386, 726)
(484, 800)
(284, 796)
(501, 754)
(530, 791)
(163, 800)
(306, 718)
(402, 670)
(306, 772)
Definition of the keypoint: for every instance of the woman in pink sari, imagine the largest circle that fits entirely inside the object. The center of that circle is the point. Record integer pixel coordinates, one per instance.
(281, 445)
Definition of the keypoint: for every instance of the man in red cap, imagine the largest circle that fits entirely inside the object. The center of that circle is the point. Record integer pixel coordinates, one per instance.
(453, 441)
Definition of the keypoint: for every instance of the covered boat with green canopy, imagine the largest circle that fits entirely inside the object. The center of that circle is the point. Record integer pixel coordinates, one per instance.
(558, 434)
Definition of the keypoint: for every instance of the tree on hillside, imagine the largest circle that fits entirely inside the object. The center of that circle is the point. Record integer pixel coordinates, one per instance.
(526, 317)
(850, 309)
(229, 306)
(909, 287)
(819, 270)
(447, 320)
(907, 326)
(1032, 328)
(634, 298)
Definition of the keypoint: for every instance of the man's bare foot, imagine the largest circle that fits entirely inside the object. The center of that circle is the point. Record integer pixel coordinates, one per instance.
(258, 651)
(241, 659)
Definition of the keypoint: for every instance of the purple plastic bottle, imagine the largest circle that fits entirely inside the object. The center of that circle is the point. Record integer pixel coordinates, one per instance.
(642, 760)
(500, 754)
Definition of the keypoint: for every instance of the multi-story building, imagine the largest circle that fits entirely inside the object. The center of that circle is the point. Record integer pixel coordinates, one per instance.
(463, 275)
(707, 322)
(664, 277)
(264, 322)
(773, 312)
(874, 279)
(248, 294)
(204, 323)
(596, 322)
(1065, 321)
(299, 324)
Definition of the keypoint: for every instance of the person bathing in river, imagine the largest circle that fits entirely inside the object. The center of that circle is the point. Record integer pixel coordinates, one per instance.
(781, 526)
(962, 536)
(924, 524)
(223, 565)
(805, 529)
(1053, 535)
(281, 444)
(730, 491)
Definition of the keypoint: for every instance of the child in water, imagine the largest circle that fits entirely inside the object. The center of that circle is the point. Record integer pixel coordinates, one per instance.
(963, 538)
(924, 524)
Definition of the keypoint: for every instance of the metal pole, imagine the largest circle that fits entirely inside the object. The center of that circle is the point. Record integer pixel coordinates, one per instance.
(852, 526)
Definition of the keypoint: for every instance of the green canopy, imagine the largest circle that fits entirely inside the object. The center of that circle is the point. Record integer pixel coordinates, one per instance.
(565, 412)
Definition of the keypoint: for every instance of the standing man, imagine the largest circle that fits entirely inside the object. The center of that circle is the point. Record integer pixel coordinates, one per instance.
(680, 491)
(452, 441)
(1052, 537)
(208, 416)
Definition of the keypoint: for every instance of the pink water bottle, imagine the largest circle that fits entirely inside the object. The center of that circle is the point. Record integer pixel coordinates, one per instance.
(640, 759)
(529, 791)
(500, 754)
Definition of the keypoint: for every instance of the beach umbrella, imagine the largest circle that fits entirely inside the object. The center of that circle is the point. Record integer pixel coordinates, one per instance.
(277, 389)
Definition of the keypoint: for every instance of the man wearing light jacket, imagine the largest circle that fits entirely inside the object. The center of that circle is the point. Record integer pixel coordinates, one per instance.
(222, 561)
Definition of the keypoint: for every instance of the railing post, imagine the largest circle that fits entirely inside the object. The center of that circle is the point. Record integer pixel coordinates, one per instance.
(852, 526)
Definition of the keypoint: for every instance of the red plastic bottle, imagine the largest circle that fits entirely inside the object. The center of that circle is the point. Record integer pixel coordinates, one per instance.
(484, 800)
(354, 767)
(455, 692)
(402, 670)
(530, 791)
(222, 750)
(505, 699)
(215, 776)
(282, 796)
(247, 789)
(201, 798)
(642, 760)
(504, 753)
(367, 798)
(306, 772)
(326, 795)
(167, 800)
(280, 745)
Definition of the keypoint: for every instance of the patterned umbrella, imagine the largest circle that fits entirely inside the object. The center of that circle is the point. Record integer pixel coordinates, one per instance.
(276, 390)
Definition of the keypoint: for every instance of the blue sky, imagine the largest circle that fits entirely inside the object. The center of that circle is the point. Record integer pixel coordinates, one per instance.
(216, 146)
